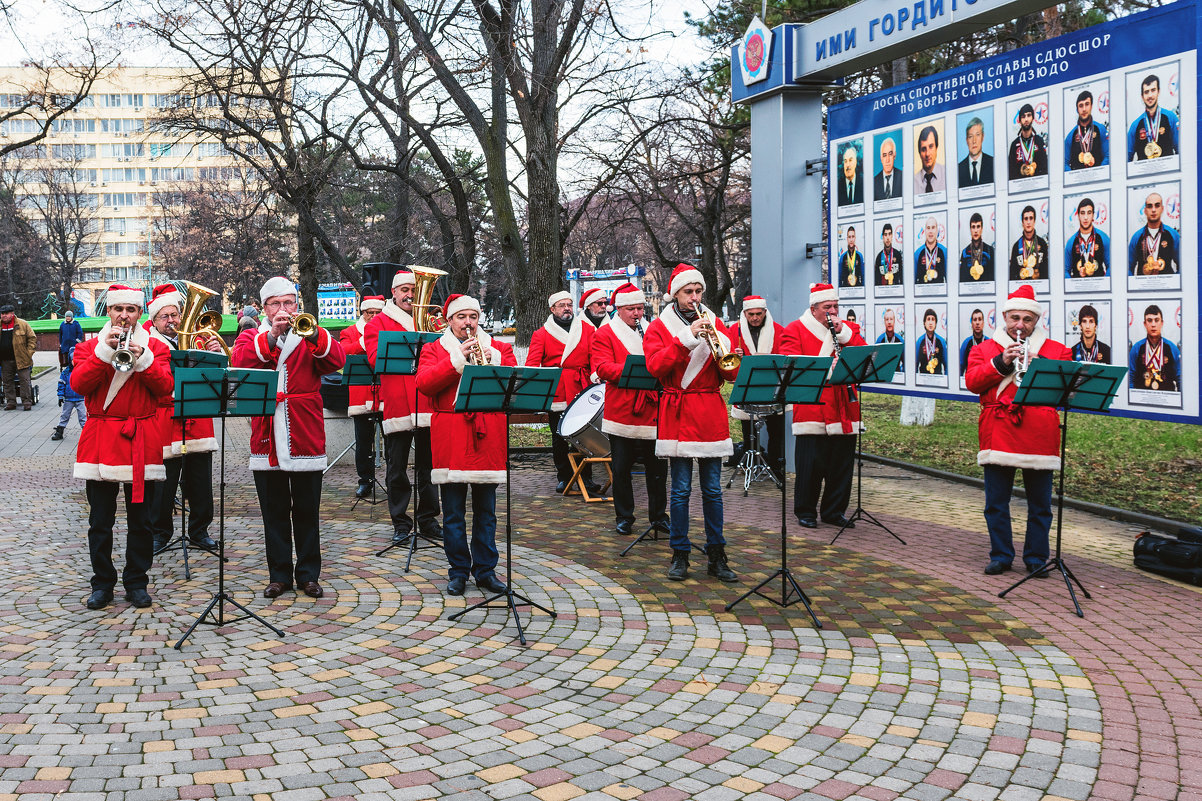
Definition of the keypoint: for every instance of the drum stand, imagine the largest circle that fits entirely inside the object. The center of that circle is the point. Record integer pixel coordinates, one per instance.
(752, 463)
(578, 462)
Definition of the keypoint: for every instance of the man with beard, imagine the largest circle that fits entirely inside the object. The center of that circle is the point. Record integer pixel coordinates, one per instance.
(1155, 363)
(977, 321)
(976, 260)
(1088, 250)
(1089, 349)
(1028, 153)
(592, 301)
(851, 262)
(891, 335)
(1029, 255)
(888, 264)
(1154, 249)
(1087, 144)
(1154, 134)
(930, 260)
(930, 177)
(932, 348)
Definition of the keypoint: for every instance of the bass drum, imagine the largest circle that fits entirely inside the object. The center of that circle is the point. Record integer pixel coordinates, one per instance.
(580, 424)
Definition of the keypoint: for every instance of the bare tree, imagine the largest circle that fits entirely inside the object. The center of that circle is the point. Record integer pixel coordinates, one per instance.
(65, 215)
(28, 276)
(31, 105)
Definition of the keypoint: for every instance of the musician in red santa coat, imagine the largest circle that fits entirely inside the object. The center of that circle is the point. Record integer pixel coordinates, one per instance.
(592, 306)
(757, 334)
(1015, 437)
(563, 342)
(406, 423)
(288, 449)
(364, 398)
(693, 421)
(188, 444)
(468, 448)
(121, 441)
(825, 445)
(629, 415)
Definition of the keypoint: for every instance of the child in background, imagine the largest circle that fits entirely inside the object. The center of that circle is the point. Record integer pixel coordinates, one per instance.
(69, 399)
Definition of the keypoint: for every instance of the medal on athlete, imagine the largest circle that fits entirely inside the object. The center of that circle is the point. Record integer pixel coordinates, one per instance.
(1087, 265)
(1152, 150)
(1028, 261)
(1152, 264)
(932, 365)
(1086, 140)
(976, 271)
(930, 259)
(851, 269)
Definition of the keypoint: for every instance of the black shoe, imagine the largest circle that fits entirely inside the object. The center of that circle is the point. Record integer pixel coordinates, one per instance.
(624, 528)
(139, 598)
(996, 567)
(718, 567)
(99, 599)
(736, 457)
(561, 487)
(491, 584)
(204, 541)
(160, 543)
(363, 490)
(594, 489)
(840, 521)
(58, 434)
(1033, 568)
(456, 586)
(664, 525)
(400, 537)
(679, 571)
(432, 532)
(807, 522)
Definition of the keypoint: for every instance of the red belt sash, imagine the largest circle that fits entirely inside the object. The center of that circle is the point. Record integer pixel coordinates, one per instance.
(133, 429)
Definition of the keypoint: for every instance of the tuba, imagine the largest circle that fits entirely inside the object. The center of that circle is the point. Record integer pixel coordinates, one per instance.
(196, 326)
(427, 316)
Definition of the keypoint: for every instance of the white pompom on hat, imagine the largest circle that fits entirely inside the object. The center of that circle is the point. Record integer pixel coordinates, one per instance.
(275, 287)
(1023, 299)
(558, 296)
(682, 276)
(165, 295)
(120, 293)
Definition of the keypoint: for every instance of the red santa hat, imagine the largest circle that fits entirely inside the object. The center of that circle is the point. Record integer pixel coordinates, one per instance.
(820, 293)
(591, 295)
(1023, 299)
(754, 302)
(165, 295)
(120, 293)
(275, 287)
(371, 302)
(403, 277)
(627, 295)
(682, 276)
(558, 296)
(458, 303)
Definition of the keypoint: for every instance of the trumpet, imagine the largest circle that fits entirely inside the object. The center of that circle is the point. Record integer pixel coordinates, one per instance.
(123, 357)
(304, 324)
(1023, 362)
(725, 360)
(477, 355)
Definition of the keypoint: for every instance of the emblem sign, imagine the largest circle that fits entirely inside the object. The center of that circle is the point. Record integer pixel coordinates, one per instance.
(753, 53)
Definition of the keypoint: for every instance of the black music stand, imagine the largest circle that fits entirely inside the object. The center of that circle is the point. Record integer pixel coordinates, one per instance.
(856, 365)
(780, 380)
(183, 359)
(521, 390)
(636, 376)
(213, 392)
(1067, 385)
(357, 372)
(397, 353)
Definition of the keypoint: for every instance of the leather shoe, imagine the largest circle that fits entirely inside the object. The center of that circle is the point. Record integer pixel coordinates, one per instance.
(12, 407)
(99, 599)
(363, 491)
(275, 589)
(561, 487)
(623, 528)
(139, 598)
(841, 521)
(491, 584)
(400, 537)
(807, 522)
(1032, 568)
(996, 567)
(160, 543)
(312, 589)
(432, 532)
(663, 526)
(203, 541)
(456, 586)
(593, 488)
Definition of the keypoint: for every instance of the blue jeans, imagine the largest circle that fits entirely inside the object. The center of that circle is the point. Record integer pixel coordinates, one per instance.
(999, 484)
(481, 560)
(711, 500)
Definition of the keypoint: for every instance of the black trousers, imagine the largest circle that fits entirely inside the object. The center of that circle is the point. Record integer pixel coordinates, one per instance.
(559, 453)
(195, 470)
(400, 488)
(139, 545)
(625, 451)
(823, 459)
(775, 446)
(290, 504)
(365, 447)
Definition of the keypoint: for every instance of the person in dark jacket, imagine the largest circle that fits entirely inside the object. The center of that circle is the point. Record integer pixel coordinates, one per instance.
(70, 334)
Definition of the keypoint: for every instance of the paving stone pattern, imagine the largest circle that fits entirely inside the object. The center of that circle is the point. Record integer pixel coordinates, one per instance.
(922, 684)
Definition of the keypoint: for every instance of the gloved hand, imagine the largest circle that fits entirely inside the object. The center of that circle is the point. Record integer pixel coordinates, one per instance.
(60, 401)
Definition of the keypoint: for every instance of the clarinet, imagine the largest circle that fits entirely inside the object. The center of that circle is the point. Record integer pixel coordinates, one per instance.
(830, 324)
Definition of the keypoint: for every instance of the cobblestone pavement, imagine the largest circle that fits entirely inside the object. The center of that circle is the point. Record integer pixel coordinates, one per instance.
(922, 684)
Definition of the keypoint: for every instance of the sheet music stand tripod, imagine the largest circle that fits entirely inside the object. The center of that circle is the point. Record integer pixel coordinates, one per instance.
(357, 372)
(182, 359)
(215, 392)
(864, 364)
(773, 379)
(489, 388)
(753, 464)
(1067, 385)
(397, 353)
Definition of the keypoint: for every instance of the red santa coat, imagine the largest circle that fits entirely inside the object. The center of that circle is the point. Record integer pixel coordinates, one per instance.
(692, 414)
(363, 398)
(771, 337)
(464, 448)
(398, 393)
(294, 438)
(121, 440)
(551, 346)
(837, 414)
(628, 412)
(1013, 436)
(196, 432)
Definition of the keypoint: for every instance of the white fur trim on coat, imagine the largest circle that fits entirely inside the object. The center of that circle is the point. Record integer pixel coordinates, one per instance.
(569, 339)
(103, 352)
(445, 475)
(397, 425)
(694, 450)
(1000, 336)
(767, 339)
(202, 445)
(836, 429)
(811, 427)
(118, 472)
(627, 430)
(699, 355)
(1030, 461)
